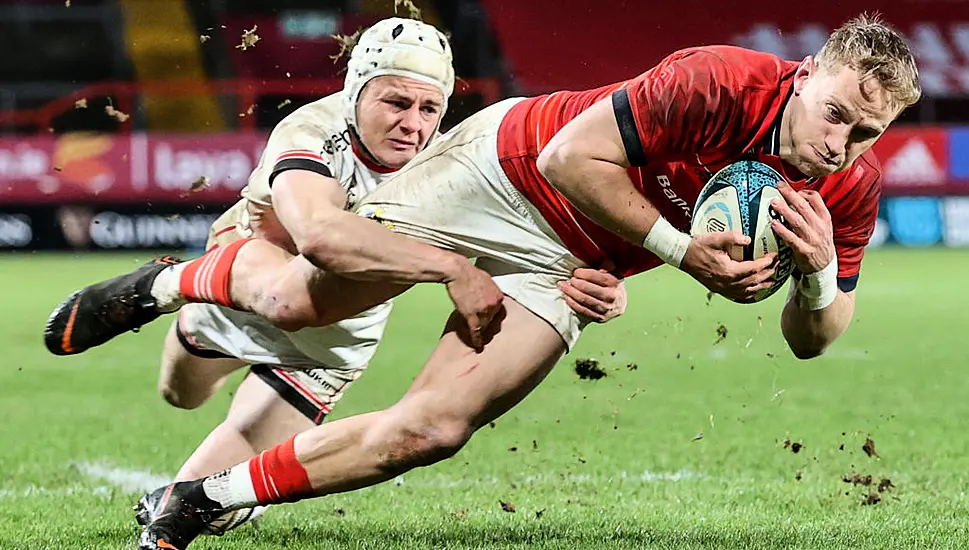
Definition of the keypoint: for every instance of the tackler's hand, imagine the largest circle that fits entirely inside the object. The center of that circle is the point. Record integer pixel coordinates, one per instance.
(477, 299)
(595, 293)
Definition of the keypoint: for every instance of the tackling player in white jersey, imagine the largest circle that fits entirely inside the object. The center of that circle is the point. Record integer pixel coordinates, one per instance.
(534, 187)
(343, 146)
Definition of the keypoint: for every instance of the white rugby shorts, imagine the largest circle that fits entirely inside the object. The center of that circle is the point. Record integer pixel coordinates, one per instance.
(455, 195)
(310, 368)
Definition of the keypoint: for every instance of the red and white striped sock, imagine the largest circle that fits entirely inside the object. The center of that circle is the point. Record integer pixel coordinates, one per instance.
(273, 477)
(206, 279)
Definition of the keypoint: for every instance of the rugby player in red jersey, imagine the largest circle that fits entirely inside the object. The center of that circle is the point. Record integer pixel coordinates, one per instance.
(536, 187)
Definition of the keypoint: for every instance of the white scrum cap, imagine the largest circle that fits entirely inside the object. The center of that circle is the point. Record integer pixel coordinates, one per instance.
(398, 47)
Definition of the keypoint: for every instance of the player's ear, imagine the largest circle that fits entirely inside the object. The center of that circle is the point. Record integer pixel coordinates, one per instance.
(804, 71)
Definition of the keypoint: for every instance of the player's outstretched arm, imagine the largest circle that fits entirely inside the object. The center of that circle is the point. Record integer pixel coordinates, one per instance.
(817, 311)
(587, 162)
(311, 208)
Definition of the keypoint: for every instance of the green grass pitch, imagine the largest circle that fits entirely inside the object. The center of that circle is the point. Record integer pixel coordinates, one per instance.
(686, 450)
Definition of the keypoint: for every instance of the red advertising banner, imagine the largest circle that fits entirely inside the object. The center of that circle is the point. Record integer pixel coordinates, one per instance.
(913, 158)
(150, 169)
(136, 168)
(582, 45)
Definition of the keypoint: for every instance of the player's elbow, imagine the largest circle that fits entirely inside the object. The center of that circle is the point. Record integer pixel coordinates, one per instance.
(321, 244)
(555, 159)
(803, 345)
(810, 342)
(805, 352)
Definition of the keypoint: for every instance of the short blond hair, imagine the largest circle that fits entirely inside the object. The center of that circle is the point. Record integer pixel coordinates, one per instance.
(876, 50)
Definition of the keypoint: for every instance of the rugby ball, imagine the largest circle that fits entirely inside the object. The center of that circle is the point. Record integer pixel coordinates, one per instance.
(737, 198)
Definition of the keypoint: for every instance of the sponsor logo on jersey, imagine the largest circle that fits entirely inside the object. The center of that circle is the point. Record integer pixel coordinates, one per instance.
(664, 183)
(337, 143)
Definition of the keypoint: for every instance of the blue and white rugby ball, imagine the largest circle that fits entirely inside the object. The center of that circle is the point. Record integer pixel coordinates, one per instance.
(737, 198)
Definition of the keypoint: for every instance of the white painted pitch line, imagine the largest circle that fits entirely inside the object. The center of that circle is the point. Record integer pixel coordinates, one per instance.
(141, 481)
(41, 491)
(132, 481)
(110, 477)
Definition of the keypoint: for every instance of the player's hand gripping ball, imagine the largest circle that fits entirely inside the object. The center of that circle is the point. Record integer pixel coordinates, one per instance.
(737, 198)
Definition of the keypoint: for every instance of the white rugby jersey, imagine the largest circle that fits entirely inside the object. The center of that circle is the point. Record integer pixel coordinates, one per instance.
(314, 137)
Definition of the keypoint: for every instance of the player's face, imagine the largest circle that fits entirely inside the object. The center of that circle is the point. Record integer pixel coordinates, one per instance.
(834, 117)
(396, 116)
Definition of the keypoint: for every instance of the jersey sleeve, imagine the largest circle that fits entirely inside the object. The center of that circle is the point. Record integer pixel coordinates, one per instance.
(293, 145)
(853, 219)
(687, 104)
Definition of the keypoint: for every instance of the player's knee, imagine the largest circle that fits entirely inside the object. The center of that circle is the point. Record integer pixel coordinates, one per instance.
(423, 442)
(285, 318)
(179, 398)
(427, 443)
(289, 313)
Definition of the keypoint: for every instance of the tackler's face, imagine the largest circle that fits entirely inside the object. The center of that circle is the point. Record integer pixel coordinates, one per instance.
(396, 116)
(836, 115)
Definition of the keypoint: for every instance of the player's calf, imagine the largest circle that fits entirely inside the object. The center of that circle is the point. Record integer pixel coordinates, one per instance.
(189, 376)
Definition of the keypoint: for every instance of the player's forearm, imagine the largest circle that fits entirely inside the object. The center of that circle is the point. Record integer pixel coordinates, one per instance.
(358, 248)
(809, 332)
(310, 207)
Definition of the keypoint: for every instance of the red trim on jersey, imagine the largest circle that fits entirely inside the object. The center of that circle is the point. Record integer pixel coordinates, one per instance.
(367, 161)
(225, 230)
(300, 154)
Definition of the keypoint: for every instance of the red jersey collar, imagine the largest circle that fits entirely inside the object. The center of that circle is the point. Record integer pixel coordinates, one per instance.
(361, 152)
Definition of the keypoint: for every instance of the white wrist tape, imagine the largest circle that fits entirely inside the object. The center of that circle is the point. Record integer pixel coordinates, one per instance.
(668, 243)
(819, 290)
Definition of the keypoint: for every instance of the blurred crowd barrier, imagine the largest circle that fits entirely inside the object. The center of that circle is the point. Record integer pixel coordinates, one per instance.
(139, 190)
(130, 188)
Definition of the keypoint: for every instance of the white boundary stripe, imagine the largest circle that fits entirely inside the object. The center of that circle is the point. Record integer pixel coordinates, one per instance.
(134, 481)
(142, 481)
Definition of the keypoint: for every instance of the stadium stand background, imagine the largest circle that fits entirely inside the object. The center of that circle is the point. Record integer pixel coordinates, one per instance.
(112, 111)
